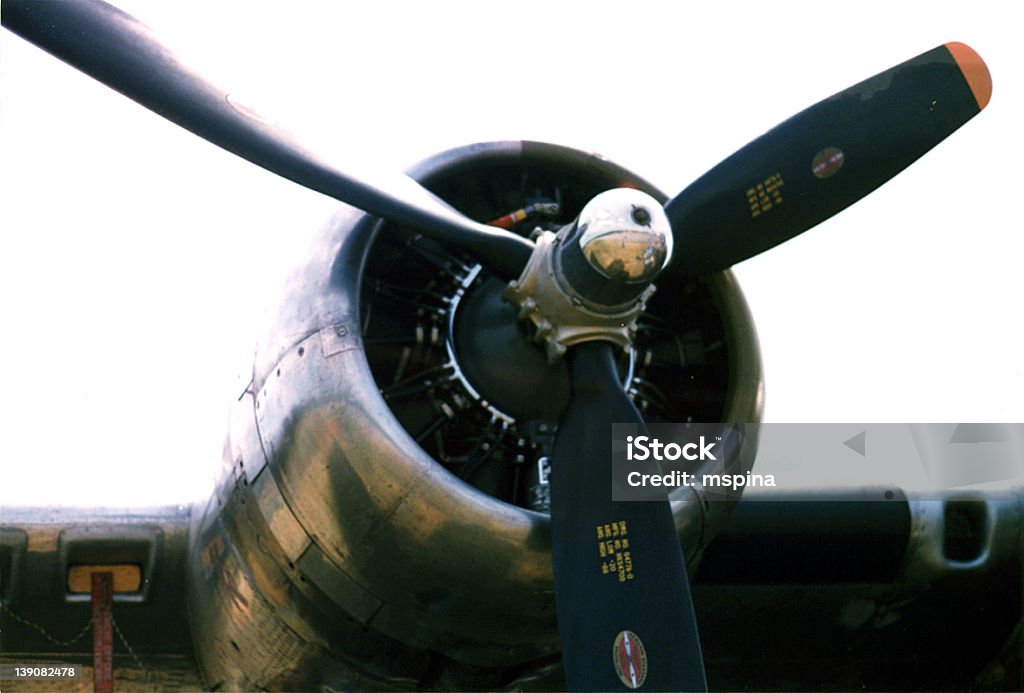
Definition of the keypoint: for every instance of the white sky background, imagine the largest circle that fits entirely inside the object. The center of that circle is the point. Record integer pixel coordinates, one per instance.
(137, 259)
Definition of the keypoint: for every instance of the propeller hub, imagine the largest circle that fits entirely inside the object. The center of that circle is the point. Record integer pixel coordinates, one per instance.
(625, 236)
(591, 280)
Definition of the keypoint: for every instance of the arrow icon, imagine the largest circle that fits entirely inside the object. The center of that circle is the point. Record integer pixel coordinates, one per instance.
(858, 443)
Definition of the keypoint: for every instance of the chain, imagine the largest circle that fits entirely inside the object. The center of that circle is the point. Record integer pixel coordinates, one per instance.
(81, 634)
(128, 647)
(55, 641)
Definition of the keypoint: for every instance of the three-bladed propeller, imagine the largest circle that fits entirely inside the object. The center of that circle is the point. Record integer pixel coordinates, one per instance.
(639, 631)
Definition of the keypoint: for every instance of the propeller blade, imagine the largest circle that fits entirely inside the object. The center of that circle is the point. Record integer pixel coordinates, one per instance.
(627, 624)
(825, 158)
(121, 52)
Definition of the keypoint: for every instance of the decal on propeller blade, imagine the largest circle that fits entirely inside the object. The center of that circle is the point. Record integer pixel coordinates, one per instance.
(827, 162)
(765, 195)
(613, 548)
(630, 659)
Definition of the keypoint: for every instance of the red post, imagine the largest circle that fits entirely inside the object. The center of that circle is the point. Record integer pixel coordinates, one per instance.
(102, 633)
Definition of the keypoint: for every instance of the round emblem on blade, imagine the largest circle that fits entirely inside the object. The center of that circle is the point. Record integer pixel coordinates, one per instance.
(630, 659)
(827, 162)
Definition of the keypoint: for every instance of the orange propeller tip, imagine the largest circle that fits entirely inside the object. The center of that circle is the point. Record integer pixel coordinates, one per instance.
(974, 69)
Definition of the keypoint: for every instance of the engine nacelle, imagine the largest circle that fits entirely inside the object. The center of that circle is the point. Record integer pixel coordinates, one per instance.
(379, 520)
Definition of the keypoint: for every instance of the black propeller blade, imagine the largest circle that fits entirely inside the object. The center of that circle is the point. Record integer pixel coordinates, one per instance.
(625, 615)
(824, 159)
(118, 50)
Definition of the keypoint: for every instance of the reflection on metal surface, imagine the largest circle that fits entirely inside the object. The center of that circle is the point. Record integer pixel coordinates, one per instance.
(625, 235)
(368, 529)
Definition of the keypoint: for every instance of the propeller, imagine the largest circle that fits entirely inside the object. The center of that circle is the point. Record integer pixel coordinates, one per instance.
(825, 158)
(632, 624)
(118, 50)
(639, 631)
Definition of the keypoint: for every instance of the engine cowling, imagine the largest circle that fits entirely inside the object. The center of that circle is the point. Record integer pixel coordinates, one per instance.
(379, 517)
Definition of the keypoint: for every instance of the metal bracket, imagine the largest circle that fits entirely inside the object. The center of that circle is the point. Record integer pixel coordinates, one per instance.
(559, 316)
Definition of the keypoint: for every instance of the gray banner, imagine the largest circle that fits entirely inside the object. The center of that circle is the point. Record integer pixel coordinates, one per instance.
(720, 461)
